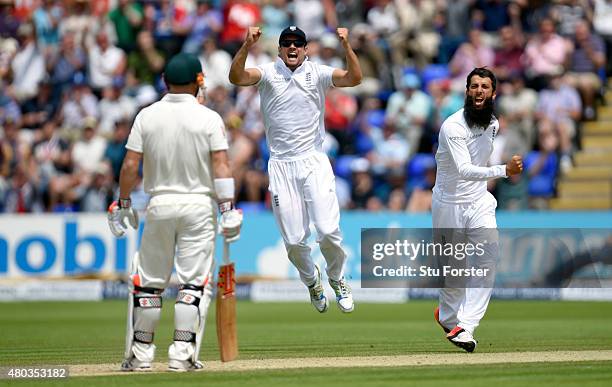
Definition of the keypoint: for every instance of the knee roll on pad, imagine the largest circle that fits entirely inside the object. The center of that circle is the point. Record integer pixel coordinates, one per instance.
(147, 312)
(186, 310)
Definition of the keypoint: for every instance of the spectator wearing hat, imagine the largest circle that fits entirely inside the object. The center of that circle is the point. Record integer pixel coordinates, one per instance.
(114, 106)
(106, 61)
(88, 152)
(77, 104)
(408, 110)
(28, 64)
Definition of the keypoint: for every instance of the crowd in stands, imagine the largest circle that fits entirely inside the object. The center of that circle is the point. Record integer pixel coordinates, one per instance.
(74, 73)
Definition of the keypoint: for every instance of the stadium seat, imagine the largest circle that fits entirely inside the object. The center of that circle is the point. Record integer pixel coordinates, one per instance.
(542, 184)
(376, 118)
(342, 166)
(417, 169)
(433, 72)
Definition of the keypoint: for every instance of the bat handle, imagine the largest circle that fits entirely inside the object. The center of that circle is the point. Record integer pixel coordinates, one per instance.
(226, 259)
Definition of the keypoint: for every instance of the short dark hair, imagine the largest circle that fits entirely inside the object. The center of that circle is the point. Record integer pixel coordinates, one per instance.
(482, 72)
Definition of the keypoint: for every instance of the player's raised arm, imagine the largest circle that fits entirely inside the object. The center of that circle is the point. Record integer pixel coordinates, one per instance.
(352, 75)
(238, 74)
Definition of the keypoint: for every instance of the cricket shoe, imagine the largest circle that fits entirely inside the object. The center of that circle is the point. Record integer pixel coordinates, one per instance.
(344, 297)
(317, 293)
(134, 365)
(184, 365)
(462, 339)
(437, 318)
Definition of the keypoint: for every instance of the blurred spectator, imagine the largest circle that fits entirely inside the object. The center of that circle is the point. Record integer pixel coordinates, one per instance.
(39, 109)
(567, 13)
(218, 99)
(115, 148)
(77, 104)
(52, 155)
(445, 102)
(77, 20)
(314, 16)
(559, 108)
(97, 193)
(238, 16)
(508, 57)
(454, 25)
(408, 110)
(275, 17)
(249, 110)
(349, 13)
(9, 108)
(362, 183)
(376, 73)
(127, 18)
(46, 20)
(416, 42)
(114, 107)
(106, 62)
(471, 54)
(382, 17)
(28, 65)
(20, 151)
(491, 14)
(88, 152)
(397, 200)
(206, 23)
(328, 52)
(390, 152)
(602, 24)
(171, 25)
(21, 196)
(545, 55)
(69, 60)
(587, 58)
(340, 110)
(420, 197)
(146, 62)
(257, 56)
(511, 193)
(518, 106)
(9, 22)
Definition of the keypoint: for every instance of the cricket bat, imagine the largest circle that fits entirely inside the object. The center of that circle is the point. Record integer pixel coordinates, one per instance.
(226, 308)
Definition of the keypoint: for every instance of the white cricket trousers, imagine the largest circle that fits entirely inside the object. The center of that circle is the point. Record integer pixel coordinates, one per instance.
(303, 190)
(183, 226)
(179, 231)
(466, 306)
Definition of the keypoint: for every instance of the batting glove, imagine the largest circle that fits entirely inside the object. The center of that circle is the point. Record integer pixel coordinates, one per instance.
(231, 221)
(117, 212)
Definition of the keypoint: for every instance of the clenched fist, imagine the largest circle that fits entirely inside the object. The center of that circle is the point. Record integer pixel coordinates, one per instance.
(342, 35)
(253, 35)
(514, 166)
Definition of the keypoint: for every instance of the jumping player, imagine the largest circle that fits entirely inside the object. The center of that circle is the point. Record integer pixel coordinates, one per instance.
(292, 91)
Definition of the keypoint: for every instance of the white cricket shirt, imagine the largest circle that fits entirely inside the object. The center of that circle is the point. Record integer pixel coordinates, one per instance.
(462, 158)
(293, 107)
(175, 136)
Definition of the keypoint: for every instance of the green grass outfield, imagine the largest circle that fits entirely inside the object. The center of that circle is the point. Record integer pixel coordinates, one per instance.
(54, 333)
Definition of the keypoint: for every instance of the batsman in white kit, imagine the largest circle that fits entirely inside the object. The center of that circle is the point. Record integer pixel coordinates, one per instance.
(186, 172)
(302, 183)
(462, 204)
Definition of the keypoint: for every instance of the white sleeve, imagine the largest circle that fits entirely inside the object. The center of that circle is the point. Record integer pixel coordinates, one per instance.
(453, 137)
(218, 140)
(135, 139)
(325, 76)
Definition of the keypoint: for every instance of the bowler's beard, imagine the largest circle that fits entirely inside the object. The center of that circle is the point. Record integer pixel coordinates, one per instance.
(477, 117)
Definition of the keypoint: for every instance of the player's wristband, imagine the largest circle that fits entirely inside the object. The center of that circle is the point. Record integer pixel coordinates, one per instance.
(125, 203)
(224, 188)
(226, 206)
